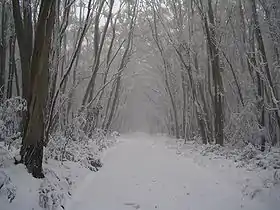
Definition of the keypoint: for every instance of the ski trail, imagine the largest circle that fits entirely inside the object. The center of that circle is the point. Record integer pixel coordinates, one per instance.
(141, 173)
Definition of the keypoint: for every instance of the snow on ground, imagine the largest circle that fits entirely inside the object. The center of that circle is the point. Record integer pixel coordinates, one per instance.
(20, 191)
(149, 172)
(48, 193)
(142, 172)
(257, 173)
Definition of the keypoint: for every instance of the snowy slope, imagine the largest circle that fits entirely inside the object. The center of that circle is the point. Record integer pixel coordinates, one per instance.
(143, 173)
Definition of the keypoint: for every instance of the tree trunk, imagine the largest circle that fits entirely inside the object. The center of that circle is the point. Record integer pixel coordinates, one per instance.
(123, 63)
(98, 46)
(184, 103)
(12, 66)
(3, 50)
(217, 78)
(264, 60)
(24, 33)
(33, 141)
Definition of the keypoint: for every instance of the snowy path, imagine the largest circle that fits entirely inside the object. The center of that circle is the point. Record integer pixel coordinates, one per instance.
(141, 173)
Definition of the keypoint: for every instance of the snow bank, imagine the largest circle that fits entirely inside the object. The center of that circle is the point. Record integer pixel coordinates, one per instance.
(260, 171)
(21, 191)
(66, 162)
(249, 156)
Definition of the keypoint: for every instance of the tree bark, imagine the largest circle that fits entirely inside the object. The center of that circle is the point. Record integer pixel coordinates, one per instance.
(33, 141)
(264, 60)
(217, 78)
(3, 48)
(12, 67)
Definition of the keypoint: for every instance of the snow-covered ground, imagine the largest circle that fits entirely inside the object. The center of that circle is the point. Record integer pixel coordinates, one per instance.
(149, 172)
(144, 172)
(66, 164)
(27, 193)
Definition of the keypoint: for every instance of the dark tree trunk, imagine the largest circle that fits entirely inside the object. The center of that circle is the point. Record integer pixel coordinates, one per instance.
(33, 141)
(3, 50)
(183, 134)
(24, 33)
(217, 78)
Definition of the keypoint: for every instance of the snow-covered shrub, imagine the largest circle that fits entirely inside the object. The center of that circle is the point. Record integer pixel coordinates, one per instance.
(63, 148)
(104, 140)
(11, 112)
(276, 176)
(216, 150)
(5, 155)
(7, 189)
(249, 156)
(242, 126)
(52, 190)
(73, 144)
(249, 152)
(209, 148)
(2, 130)
(115, 134)
(252, 158)
(99, 136)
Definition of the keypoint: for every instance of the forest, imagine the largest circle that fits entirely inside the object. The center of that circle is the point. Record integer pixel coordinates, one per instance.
(197, 70)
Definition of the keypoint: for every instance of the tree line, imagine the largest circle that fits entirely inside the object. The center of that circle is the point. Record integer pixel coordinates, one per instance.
(65, 58)
(217, 65)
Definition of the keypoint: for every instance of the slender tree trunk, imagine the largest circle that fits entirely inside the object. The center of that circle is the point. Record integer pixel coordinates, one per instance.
(98, 46)
(12, 66)
(217, 78)
(51, 114)
(123, 63)
(184, 103)
(108, 106)
(173, 105)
